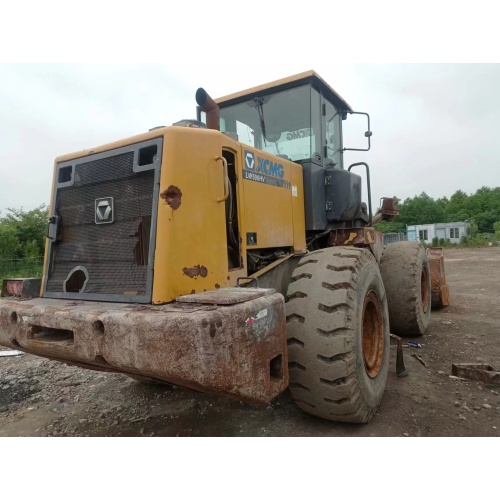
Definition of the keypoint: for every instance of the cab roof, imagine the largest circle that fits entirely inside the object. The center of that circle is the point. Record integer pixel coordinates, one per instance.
(286, 83)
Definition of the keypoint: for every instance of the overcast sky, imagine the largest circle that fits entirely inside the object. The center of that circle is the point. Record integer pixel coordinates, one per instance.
(434, 126)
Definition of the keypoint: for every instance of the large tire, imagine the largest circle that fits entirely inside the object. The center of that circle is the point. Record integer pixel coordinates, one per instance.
(338, 334)
(406, 274)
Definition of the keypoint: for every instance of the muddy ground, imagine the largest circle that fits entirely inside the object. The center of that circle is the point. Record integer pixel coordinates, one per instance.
(39, 397)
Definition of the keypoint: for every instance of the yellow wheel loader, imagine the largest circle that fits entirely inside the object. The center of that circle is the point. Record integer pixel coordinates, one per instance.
(231, 254)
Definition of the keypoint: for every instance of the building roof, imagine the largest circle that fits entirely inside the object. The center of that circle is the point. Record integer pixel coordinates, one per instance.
(283, 84)
(463, 223)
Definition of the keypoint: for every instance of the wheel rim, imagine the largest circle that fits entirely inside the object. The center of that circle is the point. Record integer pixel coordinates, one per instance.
(424, 288)
(373, 334)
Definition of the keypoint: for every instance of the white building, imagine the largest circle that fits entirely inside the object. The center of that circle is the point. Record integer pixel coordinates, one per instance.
(451, 231)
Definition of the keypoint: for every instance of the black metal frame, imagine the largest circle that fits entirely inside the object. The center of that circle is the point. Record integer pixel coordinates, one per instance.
(368, 133)
(368, 185)
(156, 166)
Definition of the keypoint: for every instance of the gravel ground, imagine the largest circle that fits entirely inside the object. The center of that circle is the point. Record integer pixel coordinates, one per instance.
(39, 397)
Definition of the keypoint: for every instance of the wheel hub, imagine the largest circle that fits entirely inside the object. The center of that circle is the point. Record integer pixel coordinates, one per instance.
(373, 334)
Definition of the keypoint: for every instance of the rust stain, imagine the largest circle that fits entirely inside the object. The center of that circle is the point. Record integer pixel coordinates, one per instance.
(195, 271)
(217, 286)
(14, 288)
(352, 236)
(175, 358)
(172, 195)
(439, 288)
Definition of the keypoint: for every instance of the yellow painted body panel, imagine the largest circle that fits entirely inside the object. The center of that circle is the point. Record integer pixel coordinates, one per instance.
(191, 246)
(282, 83)
(269, 208)
(191, 250)
(298, 210)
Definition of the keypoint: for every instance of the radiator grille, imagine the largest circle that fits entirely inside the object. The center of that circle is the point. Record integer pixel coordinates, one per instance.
(114, 255)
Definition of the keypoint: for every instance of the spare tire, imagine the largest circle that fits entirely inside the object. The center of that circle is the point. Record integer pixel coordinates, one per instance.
(405, 270)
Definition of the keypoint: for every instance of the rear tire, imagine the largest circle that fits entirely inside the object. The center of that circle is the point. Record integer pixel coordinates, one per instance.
(407, 279)
(338, 334)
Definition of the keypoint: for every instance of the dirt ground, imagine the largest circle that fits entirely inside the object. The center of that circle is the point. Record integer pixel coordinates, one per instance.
(39, 397)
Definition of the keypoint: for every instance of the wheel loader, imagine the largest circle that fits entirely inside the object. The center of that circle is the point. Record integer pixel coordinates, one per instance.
(230, 254)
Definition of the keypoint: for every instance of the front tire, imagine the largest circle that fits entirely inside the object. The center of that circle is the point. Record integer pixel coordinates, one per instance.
(338, 334)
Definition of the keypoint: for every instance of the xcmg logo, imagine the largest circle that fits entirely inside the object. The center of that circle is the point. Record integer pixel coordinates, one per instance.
(264, 171)
(249, 160)
(263, 165)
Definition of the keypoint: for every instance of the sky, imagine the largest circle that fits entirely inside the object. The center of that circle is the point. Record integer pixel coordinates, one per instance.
(434, 125)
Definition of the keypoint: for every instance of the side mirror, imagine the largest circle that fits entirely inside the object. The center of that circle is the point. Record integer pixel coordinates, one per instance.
(368, 133)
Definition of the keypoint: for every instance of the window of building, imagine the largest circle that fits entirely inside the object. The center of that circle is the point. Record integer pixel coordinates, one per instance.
(454, 232)
(422, 234)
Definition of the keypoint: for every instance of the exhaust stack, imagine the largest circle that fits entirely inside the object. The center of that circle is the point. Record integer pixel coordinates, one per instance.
(210, 107)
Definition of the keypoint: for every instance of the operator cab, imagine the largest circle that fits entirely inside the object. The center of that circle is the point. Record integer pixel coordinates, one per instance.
(298, 118)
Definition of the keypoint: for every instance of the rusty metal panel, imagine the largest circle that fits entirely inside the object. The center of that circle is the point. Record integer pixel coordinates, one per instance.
(358, 236)
(226, 296)
(21, 287)
(389, 208)
(474, 371)
(235, 350)
(352, 236)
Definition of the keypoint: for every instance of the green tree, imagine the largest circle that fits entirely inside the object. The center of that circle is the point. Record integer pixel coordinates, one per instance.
(31, 250)
(421, 209)
(483, 206)
(473, 228)
(390, 227)
(496, 227)
(9, 243)
(29, 227)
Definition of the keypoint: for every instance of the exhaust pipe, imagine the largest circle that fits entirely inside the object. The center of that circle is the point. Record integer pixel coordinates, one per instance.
(210, 107)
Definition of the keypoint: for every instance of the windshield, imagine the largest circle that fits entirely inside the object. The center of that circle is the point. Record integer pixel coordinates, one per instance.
(280, 123)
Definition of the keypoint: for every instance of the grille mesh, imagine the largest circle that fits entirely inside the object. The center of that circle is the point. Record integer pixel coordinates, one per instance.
(108, 251)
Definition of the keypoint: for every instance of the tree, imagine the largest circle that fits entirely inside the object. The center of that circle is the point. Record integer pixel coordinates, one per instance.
(483, 207)
(421, 209)
(29, 227)
(31, 251)
(496, 227)
(473, 228)
(9, 243)
(390, 227)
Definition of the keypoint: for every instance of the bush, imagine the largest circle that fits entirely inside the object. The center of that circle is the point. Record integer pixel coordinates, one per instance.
(21, 268)
(496, 227)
